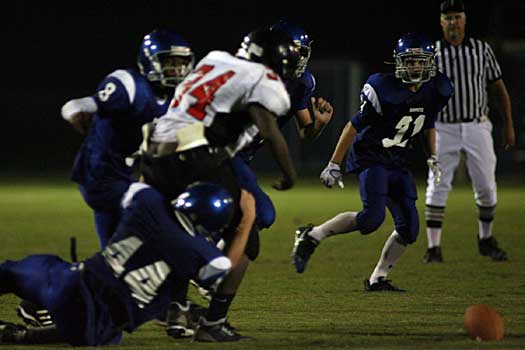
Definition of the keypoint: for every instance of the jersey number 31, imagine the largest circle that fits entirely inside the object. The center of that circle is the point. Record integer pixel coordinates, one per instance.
(402, 127)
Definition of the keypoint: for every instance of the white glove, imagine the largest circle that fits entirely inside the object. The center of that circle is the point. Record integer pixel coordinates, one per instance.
(433, 165)
(331, 174)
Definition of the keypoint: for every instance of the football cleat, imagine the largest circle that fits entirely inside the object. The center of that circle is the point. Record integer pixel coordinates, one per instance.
(34, 315)
(218, 331)
(303, 247)
(11, 333)
(181, 322)
(382, 285)
(433, 255)
(489, 247)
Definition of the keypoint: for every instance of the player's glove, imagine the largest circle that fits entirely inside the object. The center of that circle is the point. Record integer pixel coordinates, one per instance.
(433, 165)
(332, 174)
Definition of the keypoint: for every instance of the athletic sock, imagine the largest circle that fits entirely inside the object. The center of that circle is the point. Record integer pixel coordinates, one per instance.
(341, 223)
(485, 221)
(434, 236)
(219, 305)
(393, 249)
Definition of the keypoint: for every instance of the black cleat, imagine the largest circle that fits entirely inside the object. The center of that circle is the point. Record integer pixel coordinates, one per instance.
(489, 247)
(182, 322)
(11, 333)
(218, 331)
(303, 247)
(382, 285)
(34, 315)
(433, 255)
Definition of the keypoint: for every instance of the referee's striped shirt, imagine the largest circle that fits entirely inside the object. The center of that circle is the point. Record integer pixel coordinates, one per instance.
(470, 66)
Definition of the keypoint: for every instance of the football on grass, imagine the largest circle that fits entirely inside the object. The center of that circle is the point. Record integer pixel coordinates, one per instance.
(483, 323)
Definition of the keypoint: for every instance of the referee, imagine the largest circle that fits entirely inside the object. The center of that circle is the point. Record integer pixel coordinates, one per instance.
(463, 125)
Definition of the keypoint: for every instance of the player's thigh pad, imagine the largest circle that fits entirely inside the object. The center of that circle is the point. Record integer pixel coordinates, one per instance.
(373, 189)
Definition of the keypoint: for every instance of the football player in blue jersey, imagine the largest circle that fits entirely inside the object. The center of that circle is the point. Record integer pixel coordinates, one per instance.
(300, 87)
(394, 109)
(157, 246)
(113, 117)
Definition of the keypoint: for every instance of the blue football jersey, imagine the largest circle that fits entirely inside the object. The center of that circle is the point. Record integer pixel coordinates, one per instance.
(300, 91)
(148, 252)
(391, 117)
(125, 101)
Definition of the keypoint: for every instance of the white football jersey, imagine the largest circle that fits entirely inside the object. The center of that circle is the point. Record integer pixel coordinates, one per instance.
(222, 83)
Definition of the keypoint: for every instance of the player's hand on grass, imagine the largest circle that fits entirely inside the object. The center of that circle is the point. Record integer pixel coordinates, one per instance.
(332, 175)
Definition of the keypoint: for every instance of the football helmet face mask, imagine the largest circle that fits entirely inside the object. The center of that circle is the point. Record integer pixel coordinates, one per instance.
(204, 209)
(414, 57)
(165, 58)
(301, 40)
(273, 48)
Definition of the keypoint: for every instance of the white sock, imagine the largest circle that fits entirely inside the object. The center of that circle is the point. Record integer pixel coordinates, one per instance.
(390, 254)
(485, 229)
(434, 236)
(341, 223)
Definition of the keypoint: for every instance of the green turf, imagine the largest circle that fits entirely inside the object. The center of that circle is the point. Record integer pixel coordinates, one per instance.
(324, 308)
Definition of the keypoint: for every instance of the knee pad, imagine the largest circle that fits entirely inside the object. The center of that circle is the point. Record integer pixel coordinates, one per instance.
(369, 221)
(408, 235)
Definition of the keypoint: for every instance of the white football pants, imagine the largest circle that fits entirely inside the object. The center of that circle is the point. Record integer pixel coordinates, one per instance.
(475, 139)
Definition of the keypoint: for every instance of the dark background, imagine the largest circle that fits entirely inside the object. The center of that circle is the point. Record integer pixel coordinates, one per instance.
(55, 52)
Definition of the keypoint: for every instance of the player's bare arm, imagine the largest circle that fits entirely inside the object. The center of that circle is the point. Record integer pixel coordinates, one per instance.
(309, 129)
(266, 122)
(238, 244)
(431, 141)
(501, 100)
(343, 144)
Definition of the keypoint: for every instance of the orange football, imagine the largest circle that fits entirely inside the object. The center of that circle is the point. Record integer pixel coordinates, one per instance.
(483, 323)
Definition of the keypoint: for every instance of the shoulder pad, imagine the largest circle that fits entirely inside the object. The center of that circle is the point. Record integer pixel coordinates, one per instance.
(132, 192)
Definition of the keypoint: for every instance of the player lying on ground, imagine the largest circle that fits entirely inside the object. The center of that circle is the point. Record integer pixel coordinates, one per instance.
(157, 246)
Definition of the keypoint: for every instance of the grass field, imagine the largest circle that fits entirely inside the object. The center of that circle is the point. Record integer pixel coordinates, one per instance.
(325, 307)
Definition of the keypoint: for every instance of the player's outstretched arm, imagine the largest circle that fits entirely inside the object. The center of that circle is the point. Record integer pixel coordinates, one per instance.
(79, 112)
(332, 172)
(238, 245)
(266, 122)
(343, 144)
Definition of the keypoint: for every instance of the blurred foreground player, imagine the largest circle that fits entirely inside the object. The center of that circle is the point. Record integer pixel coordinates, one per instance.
(223, 104)
(158, 244)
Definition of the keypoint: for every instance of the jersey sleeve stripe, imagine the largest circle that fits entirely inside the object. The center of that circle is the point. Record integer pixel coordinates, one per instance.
(127, 80)
(371, 95)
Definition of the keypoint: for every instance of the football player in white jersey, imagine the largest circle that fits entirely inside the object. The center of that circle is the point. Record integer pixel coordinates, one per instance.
(217, 110)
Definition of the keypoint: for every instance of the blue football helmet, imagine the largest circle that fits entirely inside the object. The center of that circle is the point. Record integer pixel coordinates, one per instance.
(273, 48)
(301, 40)
(165, 58)
(414, 57)
(204, 209)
